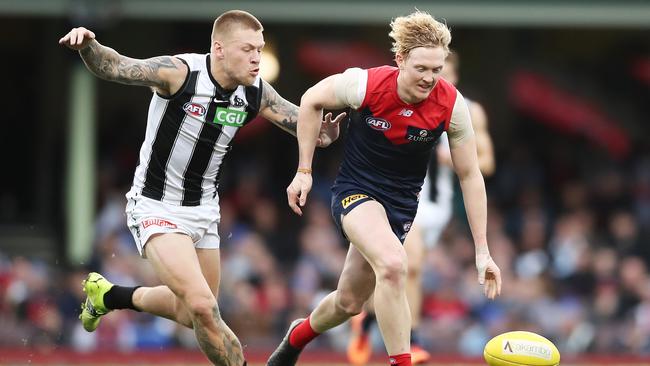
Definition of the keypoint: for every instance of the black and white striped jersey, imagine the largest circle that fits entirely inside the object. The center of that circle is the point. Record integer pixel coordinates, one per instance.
(189, 133)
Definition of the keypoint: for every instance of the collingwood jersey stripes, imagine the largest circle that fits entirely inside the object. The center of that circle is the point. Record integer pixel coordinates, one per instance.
(189, 134)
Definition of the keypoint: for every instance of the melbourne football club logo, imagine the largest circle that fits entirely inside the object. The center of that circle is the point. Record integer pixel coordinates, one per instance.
(229, 117)
(378, 124)
(194, 109)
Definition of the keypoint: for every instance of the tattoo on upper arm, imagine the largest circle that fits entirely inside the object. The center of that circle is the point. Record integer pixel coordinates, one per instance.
(110, 65)
(283, 113)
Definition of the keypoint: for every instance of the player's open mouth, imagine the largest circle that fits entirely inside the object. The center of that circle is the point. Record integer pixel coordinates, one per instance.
(255, 72)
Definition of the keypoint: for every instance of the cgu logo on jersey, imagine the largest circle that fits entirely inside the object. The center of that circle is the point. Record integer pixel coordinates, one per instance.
(194, 109)
(378, 124)
(229, 117)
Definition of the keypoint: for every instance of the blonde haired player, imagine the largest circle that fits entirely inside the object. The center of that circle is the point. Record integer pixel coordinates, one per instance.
(199, 103)
(434, 212)
(398, 113)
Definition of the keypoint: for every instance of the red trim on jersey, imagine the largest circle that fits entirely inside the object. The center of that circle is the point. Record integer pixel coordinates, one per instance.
(384, 103)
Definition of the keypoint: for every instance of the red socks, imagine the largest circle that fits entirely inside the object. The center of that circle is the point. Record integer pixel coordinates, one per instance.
(400, 360)
(302, 334)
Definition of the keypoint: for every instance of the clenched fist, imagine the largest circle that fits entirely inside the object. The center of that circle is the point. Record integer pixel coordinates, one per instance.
(77, 38)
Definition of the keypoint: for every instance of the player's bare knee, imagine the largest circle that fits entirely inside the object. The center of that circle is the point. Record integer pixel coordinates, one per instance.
(202, 308)
(392, 269)
(349, 302)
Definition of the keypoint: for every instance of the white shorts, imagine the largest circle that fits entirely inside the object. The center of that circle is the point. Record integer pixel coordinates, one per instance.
(146, 217)
(432, 218)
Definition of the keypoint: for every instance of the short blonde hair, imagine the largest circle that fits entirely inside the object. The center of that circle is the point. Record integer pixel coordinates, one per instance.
(228, 20)
(418, 29)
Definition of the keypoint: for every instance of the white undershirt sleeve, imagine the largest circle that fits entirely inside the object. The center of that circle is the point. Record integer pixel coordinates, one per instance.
(460, 125)
(350, 87)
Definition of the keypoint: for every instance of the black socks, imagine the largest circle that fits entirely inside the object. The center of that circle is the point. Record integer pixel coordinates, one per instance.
(414, 338)
(368, 321)
(120, 297)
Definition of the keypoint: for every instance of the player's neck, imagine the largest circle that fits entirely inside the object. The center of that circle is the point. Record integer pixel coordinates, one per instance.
(220, 75)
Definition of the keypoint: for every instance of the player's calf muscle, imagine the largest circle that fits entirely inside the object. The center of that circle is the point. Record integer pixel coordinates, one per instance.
(217, 341)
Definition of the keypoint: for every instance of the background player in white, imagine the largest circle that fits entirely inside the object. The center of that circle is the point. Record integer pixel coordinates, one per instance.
(199, 103)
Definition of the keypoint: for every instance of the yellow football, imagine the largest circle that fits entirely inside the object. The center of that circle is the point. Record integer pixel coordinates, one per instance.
(521, 349)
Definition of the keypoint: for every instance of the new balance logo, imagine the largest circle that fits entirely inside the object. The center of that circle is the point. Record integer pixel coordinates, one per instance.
(405, 112)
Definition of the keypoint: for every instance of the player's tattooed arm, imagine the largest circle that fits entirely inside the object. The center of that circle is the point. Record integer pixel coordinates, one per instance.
(278, 110)
(164, 73)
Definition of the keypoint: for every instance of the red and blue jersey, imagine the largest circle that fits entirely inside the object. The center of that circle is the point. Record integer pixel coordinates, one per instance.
(390, 142)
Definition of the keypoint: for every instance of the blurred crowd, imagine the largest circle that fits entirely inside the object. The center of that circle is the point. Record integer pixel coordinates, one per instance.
(572, 249)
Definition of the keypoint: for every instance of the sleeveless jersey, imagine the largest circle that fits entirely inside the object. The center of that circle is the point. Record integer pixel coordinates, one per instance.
(189, 133)
(389, 142)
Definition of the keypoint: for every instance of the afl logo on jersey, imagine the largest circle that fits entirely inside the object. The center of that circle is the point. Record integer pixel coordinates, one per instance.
(378, 124)
(194, 109)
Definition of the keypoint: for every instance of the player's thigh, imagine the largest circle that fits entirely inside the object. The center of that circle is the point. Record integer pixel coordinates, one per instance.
(210, 261)
(176, 263)
(368, 229)
(357, 279)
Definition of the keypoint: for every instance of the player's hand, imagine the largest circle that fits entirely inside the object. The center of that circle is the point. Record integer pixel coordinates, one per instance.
(489, 274)
(77, 38)
(329, 129)
(298, 190)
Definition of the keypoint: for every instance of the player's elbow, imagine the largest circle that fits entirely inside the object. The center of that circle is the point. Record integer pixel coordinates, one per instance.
(310, 99)
(467, 172)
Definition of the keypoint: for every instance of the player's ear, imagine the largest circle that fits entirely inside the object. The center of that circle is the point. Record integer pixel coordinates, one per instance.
(217, 49)
(399, 60)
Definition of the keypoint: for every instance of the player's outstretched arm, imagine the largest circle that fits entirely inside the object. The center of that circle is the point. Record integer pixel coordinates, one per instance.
(473, 188)
(462, 142)
(165, 74)
(318, 97)
(284, 114)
